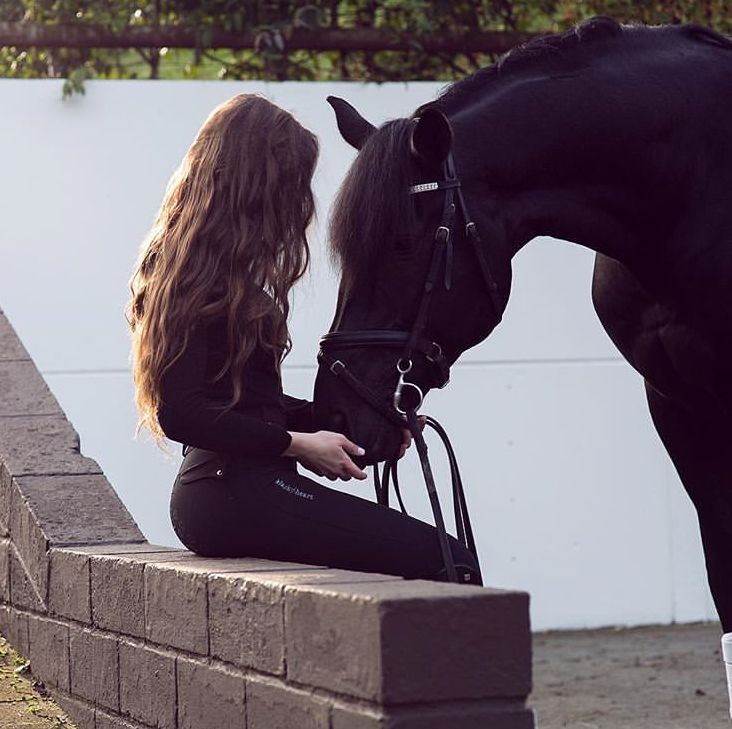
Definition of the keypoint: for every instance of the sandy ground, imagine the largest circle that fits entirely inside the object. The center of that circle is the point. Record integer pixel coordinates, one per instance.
(645, 678)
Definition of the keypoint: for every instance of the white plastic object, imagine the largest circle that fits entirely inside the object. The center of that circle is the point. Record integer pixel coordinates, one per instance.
(727, 655)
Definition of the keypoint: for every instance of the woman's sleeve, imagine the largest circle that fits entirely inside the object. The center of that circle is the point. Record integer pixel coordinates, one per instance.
(189, 416)
(299, 414)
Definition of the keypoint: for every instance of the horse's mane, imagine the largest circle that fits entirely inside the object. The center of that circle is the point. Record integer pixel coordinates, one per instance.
(373, 198)
(550, 48)
(542, 49)
(707, 35)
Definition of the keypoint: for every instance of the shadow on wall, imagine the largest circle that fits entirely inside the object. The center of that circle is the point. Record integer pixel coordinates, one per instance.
(131, 635)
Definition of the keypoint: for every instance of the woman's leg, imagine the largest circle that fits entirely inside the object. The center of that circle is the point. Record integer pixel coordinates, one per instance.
(276, 513)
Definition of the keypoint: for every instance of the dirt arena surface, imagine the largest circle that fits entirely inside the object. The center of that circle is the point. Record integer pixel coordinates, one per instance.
(644, 678)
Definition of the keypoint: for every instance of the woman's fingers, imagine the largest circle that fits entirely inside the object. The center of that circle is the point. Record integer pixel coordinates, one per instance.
(351, 448)
(350, 469)
(327, 454)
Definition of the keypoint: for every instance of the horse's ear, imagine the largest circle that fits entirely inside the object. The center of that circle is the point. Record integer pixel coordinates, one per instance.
(431, 137)
(352, 126)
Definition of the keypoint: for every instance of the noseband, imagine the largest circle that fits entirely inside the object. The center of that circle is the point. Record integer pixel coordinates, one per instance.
(415, 342)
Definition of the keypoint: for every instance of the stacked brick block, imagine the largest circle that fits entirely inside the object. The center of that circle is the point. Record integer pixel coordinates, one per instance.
(130, 635)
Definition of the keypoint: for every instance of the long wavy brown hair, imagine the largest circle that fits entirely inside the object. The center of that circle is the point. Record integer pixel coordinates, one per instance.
(229, 240)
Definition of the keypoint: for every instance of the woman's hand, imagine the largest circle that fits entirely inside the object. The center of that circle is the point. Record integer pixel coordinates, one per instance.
(327, 454)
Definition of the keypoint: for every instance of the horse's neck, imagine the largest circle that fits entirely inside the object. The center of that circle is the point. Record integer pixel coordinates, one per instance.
(613, 172)
(671, 231)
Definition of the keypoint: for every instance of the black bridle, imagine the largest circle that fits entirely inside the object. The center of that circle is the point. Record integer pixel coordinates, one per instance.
(414, 342)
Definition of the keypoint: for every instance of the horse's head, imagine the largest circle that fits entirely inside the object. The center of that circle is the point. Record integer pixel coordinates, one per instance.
(419, 285)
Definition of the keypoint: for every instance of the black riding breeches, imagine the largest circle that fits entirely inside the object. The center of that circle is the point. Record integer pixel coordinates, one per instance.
(222, 507)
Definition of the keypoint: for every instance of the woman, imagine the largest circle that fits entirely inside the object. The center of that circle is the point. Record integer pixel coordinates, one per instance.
(209, 330)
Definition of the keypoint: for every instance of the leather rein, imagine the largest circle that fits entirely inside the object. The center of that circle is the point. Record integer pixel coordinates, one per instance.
(399, 412)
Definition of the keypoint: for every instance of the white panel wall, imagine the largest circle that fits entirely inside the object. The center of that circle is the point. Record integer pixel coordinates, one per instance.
(572, 495)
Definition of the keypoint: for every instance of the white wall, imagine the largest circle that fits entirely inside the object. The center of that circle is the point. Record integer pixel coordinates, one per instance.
(572, 495)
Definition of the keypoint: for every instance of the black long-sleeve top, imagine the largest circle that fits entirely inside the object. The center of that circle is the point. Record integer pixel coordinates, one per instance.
(193, 408)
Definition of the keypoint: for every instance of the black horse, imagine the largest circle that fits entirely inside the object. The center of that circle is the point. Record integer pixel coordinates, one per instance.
(615, 137)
